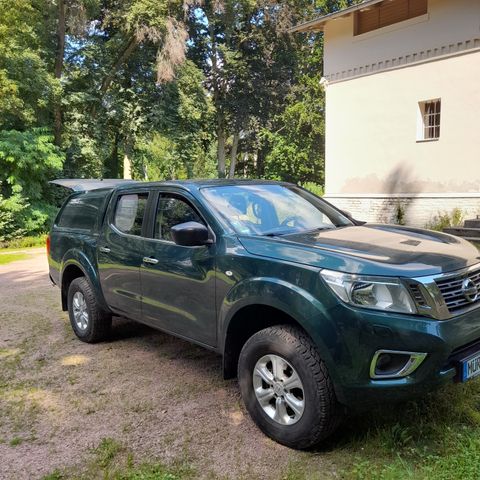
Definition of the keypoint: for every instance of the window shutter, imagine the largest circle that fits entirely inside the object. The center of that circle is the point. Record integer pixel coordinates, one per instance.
(417, 8)
(393, 11)
(367, 20)
(387, 13)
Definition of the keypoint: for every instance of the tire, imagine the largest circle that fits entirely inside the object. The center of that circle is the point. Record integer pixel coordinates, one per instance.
(93, 327)
(321, 414)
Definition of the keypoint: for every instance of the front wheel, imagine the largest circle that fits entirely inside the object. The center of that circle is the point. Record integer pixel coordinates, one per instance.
(286, 387)
(89, 322)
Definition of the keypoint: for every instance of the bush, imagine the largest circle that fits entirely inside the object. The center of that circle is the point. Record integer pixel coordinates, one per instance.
(446, 220)
(19, 219)
(313, 187)
(12, 215)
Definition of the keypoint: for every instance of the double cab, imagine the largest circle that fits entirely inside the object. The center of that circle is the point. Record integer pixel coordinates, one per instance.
(315, 312)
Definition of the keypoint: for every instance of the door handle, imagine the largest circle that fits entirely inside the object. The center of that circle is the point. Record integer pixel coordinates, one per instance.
(104, 249)
(149, 260)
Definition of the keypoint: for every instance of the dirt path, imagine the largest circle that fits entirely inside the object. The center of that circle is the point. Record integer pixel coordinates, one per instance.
(161, 397)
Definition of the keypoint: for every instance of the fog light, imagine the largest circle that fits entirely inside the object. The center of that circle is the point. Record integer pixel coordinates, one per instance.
(395, 364)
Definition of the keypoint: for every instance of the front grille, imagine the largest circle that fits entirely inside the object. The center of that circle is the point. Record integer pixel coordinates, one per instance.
(452, 290)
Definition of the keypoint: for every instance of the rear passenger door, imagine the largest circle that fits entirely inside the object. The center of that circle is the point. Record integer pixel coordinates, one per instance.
(120, 252)
(178, 283)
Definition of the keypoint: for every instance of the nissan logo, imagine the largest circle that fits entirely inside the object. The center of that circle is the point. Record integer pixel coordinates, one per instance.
(470, 290)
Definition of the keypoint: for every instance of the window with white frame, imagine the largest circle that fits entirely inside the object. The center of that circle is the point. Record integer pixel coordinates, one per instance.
(429, 120)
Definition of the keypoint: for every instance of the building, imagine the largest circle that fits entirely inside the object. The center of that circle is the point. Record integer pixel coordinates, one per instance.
(402, 81)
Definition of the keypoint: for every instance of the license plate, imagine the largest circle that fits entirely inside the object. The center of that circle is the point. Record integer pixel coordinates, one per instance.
(470, 367)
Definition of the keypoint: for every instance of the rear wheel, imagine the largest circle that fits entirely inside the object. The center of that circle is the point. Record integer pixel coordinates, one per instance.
(286, 387)
(89, 322)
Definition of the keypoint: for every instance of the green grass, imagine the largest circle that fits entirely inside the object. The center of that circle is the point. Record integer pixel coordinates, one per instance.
(437, 438)
(26, 242)
(15, 441)
(111, 460)
(11, 257)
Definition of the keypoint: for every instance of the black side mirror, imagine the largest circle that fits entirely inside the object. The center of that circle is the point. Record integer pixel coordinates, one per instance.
(190, 234)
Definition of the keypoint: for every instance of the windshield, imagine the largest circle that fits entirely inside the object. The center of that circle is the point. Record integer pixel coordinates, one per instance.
(271, 209)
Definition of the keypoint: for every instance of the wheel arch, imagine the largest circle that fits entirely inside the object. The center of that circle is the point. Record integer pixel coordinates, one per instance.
(75, 264)
(261, 303)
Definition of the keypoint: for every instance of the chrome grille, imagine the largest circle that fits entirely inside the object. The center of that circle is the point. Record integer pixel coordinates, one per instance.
(452, 291)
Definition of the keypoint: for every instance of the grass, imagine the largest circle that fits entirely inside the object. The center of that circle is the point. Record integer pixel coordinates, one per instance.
(16, 441)
(110, 460)
(25, 242)
(11, 257)
(437, 438)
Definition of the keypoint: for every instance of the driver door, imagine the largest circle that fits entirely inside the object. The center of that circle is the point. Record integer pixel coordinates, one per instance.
(178, 283)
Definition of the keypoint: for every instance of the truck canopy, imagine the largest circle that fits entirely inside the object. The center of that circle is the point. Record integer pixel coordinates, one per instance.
(87, 184)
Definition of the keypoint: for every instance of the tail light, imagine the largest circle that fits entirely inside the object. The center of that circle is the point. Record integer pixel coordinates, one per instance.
(48, 245)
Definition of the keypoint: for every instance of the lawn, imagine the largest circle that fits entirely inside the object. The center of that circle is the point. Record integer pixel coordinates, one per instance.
(11, 257)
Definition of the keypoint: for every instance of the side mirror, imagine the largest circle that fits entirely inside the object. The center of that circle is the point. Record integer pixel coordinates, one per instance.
(190, 234)
(347, 213)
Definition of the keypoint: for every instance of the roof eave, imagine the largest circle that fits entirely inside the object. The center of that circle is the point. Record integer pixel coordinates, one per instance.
(318, 24)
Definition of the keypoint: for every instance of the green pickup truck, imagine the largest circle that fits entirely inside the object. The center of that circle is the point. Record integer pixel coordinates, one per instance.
(314, 311)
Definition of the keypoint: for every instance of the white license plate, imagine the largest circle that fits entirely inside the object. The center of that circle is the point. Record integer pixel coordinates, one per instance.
(471, 367)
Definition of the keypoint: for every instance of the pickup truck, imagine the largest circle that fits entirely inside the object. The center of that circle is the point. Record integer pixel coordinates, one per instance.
(315, 312)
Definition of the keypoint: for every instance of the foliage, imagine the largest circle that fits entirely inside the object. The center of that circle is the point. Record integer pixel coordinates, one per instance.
(158, 89)
(12, 217)
(445, 220)
(315, 188)
(27, 161)
(24, 242)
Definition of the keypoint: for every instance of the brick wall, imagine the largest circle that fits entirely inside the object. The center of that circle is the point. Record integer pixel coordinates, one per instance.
(417, 211)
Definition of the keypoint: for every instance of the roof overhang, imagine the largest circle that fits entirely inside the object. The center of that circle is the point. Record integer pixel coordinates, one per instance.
(318, 24)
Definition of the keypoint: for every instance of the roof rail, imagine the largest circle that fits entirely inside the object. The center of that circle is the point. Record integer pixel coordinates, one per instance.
(87, 184)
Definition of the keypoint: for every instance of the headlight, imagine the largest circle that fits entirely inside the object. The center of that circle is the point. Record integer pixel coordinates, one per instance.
(380, 293)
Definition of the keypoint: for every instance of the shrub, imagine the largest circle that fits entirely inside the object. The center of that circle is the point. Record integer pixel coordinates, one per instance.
(313, 187)
(12, 216)
(446, 220)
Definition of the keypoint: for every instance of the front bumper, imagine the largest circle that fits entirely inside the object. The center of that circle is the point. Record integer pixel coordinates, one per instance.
(360, 333)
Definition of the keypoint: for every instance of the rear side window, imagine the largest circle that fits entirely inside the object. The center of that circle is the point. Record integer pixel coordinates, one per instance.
(82, 212)
(129, 213)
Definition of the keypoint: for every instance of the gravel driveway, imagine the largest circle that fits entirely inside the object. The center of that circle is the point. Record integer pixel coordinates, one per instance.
(160, 397)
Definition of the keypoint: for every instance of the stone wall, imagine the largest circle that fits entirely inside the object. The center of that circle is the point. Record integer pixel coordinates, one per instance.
(418, 211)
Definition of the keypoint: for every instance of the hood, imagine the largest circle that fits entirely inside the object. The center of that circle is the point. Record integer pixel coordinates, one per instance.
(388, 250)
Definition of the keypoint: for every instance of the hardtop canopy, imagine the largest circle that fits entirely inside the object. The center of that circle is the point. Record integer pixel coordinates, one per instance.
(87, 184)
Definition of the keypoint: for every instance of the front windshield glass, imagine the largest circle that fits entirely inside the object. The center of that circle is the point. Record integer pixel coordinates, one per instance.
(271, 209)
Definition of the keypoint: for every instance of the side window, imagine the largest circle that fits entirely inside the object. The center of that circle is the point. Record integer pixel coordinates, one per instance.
(129, 213)
(172, 211)
(81, 212)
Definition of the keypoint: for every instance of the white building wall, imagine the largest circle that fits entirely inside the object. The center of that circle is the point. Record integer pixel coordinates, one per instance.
(374, 161)
(447, 24)
(371, 130)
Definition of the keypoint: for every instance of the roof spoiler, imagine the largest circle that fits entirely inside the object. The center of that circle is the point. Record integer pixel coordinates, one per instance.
(87, 184)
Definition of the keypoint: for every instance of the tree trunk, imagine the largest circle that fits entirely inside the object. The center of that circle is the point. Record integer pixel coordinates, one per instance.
(57, 109)
(127, 167)
(112, 162)
(121, 59)
(233, 154)
(221, 146)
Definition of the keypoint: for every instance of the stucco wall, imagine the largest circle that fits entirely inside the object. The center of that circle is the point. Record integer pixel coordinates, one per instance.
(371, 130)
(447, 23)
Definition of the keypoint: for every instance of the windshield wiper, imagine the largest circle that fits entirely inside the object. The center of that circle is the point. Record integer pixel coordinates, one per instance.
(274, 233)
